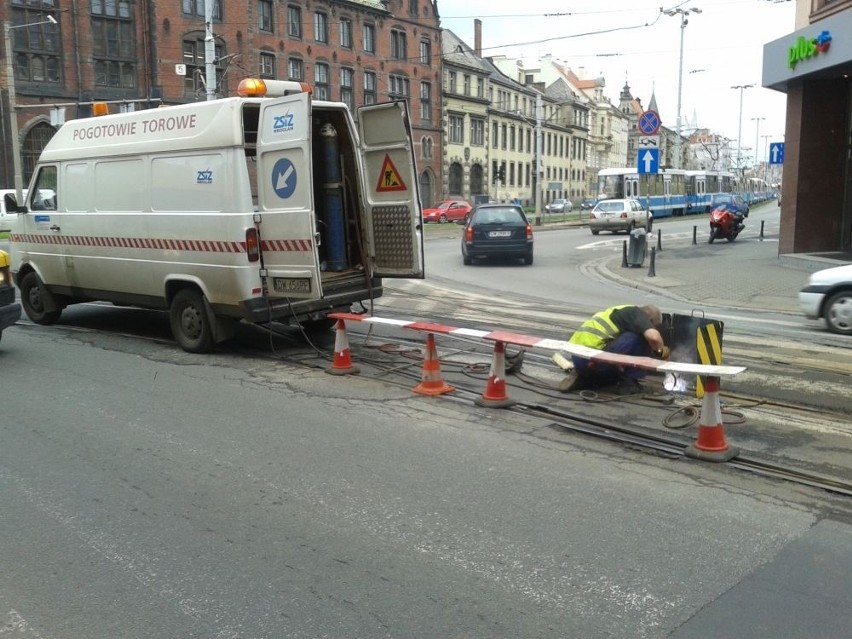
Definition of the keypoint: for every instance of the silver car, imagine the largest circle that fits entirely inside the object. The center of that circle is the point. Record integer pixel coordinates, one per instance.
(559, 206)
(828, 295)
(619, 215)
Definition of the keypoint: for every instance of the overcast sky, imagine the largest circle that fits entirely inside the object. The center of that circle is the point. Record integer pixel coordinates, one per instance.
(632, 40)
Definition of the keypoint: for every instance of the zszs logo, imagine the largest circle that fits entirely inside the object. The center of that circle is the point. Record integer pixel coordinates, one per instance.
(804, 48)
(204, 177)
(282, 123)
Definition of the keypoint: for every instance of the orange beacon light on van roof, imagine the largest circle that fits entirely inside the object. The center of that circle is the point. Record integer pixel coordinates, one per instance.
(258, 88)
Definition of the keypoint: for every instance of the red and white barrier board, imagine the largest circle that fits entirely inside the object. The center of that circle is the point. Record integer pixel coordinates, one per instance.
(563, 346)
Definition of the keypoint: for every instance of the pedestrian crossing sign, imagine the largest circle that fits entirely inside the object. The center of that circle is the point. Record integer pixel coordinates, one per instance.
(389, 178)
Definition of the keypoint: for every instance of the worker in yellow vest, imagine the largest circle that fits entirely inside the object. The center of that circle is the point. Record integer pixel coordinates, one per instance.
(625, 329)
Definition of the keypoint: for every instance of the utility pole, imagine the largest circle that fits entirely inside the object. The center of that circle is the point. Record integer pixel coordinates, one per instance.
(538, 168)
(756, 142)
(741, 87)
(683, 13)
(209, 51)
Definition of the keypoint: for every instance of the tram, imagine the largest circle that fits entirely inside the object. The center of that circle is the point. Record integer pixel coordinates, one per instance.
(662, 193)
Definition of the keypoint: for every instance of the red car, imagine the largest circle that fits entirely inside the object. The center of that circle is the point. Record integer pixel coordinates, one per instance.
(448, 211)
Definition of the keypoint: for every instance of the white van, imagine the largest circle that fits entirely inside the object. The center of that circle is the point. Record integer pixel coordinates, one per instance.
(8, 215)
(248, 208)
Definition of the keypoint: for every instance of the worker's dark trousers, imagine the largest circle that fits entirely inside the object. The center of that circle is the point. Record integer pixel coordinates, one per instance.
(599, 374)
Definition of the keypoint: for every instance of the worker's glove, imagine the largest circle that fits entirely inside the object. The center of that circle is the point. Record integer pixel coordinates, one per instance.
(664, 352)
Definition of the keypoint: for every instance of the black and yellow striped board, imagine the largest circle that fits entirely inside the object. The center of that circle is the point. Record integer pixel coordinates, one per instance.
(708, 344)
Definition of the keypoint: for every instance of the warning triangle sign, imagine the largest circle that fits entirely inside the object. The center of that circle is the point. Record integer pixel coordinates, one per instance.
(389, 178)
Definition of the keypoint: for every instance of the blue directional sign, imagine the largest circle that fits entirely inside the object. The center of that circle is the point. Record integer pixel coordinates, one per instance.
(649, 123)
(776, 153)
(649, 161)
(284, 178)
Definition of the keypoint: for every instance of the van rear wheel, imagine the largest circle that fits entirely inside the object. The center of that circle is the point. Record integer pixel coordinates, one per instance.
(190, 323)
(33, 297)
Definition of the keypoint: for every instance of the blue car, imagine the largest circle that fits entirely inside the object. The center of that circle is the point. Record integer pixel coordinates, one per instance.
(734, 202)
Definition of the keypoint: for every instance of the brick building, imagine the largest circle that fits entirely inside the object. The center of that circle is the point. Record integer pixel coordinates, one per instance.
(141, 53)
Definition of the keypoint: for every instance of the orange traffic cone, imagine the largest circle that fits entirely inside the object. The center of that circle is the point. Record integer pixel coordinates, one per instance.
(431, 382)
(711, 444)
(342, 363)
(495, 390)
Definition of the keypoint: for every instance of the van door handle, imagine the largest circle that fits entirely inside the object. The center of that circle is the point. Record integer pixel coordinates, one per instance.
(54, 227)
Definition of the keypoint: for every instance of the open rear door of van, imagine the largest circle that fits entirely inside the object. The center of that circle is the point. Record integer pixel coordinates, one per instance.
(285, 198)
(395, 221)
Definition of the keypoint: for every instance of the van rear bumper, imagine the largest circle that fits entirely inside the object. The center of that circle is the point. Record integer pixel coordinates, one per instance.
(336, 298)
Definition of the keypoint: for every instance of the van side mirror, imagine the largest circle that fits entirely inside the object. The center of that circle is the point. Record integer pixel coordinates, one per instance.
(12, 204)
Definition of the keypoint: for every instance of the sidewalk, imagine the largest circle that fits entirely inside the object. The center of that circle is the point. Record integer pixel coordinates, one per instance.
(747, 273)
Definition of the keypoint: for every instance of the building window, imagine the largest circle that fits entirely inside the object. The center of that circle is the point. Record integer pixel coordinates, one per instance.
(369, 87)
(347, 82)
(267, 65)
(346, 33)
(480, 87)
(456, 129)
(369, 33)
(36, 48)
(412, 7)
(321, 27)
(399, 86)
(477, 132)
(466, 84)
(398, 45)
(321, 87)
(494, 135)
(426, 101)
(196, 70)
(294, 22)
(426, 148)
(264, 16)
(504, 134)
(189, 7)
(452, 79)
(295, 69)
(113, 45)
(425, 52)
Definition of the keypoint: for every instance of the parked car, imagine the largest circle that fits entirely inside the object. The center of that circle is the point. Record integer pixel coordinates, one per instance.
(497, 230)
(6, 217)
(559, 206)
(733, 201)
(619, 215)
(587, 204)
(828, 296)
(448, 211)
(10, 311)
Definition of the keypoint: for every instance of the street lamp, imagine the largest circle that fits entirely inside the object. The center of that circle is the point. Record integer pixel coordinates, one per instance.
(741, 87)
(683, 13)
(766, 157)
(13, 114)
(756, 141)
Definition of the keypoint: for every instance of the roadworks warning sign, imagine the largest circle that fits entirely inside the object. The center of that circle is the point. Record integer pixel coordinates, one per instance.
(389, 178)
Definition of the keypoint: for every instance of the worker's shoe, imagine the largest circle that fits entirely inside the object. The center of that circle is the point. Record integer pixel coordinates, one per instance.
(570, 383)
(514, 362)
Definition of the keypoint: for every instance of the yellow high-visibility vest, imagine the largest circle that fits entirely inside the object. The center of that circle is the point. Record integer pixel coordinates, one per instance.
(599, 330)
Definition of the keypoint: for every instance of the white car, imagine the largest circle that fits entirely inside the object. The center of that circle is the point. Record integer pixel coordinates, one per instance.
(828, 295)
(619, 215)
(6, 217)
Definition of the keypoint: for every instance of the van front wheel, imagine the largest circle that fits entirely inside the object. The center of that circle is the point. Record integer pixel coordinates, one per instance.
(190, 323)
(33, 298)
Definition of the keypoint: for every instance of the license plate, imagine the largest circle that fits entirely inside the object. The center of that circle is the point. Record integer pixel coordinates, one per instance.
(500, 234)
(291, 284)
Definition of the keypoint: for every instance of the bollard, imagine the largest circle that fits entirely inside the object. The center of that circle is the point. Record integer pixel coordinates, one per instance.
(694, 232)
(659, 240)
(651, 271)
(761, 230)
(624, 254)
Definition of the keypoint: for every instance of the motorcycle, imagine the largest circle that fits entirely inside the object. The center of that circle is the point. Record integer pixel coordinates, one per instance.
(725, 224)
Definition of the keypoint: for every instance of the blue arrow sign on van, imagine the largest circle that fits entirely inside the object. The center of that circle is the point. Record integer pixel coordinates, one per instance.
(284, 178)
(649, 161)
